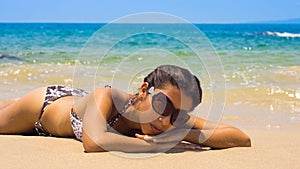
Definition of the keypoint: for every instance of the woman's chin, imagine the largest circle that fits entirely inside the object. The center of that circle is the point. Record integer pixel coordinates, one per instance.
(148, 129)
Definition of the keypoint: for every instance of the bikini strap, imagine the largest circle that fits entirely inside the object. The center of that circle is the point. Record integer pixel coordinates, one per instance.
(116, 117)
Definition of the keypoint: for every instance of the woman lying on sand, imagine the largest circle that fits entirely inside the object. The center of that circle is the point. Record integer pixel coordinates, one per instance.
(153, 120)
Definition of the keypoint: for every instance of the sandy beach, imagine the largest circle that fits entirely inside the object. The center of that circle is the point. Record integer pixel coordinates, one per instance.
(271, 148)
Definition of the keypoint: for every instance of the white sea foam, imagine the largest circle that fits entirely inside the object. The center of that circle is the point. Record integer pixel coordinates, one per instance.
(283, 34)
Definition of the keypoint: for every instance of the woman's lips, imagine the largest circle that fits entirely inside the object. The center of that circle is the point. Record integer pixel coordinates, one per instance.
(155, 129)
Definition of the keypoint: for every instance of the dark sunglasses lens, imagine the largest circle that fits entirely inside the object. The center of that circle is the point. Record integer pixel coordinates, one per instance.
(159, 103)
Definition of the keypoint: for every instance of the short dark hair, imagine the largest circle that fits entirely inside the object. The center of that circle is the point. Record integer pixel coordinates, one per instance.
(182, 78)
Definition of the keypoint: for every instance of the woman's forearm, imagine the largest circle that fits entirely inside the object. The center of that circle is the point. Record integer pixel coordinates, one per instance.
(219, 138)
(115, 142)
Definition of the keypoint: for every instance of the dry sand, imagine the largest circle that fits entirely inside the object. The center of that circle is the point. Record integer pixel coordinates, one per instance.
(271, 148)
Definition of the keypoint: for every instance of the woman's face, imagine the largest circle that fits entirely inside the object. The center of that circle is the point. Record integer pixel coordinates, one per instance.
(153, 123)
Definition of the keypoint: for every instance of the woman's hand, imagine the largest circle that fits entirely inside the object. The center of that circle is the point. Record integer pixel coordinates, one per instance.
(175, 135)
(170, 137)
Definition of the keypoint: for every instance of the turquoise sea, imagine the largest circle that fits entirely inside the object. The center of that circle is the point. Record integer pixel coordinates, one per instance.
(258, 63)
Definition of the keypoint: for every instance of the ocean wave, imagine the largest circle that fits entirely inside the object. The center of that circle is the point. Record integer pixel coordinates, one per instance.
(282, 34)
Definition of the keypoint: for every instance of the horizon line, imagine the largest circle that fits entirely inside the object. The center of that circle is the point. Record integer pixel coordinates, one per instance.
(141, 22)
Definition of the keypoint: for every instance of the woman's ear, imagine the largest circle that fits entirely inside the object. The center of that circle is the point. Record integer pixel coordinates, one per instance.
(143, 90)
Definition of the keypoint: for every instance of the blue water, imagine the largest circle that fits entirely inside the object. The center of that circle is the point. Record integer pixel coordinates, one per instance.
(50, 42)
(242, 48)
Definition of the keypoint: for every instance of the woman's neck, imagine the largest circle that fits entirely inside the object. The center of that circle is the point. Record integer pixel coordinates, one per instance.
(128, 119)
(131, 118)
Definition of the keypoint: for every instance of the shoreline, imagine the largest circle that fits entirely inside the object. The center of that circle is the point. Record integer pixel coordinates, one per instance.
(272, 148)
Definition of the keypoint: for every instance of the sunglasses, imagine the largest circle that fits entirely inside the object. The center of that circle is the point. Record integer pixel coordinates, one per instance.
(163, 106)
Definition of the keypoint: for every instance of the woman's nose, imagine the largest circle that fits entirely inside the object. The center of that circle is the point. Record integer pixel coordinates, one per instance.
(165, 120)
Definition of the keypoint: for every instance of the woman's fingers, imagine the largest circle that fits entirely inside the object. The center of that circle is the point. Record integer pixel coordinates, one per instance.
(156, 139)
(186, 146)
(144, 137)
(172, 136)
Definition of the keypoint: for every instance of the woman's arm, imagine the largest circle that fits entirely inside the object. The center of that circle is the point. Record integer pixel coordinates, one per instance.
(200, 131)
(216, 135)
(108, 141)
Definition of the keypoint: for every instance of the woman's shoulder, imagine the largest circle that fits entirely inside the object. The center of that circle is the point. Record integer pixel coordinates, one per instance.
(114, 96)
(102, 91)
(110, 93)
